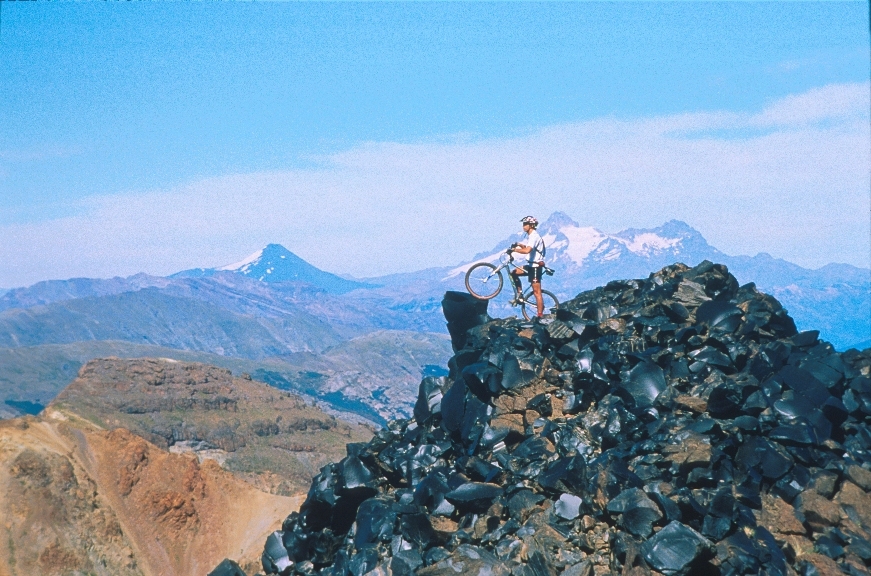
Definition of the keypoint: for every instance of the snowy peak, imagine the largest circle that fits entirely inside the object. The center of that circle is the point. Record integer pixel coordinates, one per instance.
(556, 221)
(670, 237)
(275, 263)
(573, 242)
(647, 243)
(565, 238)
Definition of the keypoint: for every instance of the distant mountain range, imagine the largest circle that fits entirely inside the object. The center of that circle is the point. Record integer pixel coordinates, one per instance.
(274, 307)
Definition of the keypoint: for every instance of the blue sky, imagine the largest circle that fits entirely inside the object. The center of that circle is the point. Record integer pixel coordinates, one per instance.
(367, 137)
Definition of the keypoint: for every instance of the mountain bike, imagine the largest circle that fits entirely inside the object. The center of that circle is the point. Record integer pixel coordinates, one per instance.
(484, 281)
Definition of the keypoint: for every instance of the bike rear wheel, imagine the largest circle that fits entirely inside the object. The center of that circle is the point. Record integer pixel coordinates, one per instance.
(483, 281)
(530, 304)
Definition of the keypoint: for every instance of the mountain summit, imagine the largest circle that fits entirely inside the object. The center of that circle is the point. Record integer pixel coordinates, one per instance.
(275, 263)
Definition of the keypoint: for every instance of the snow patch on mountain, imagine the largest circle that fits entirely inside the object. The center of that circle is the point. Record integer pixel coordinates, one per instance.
(243, 265)
(649, 243)
(275, 263)
(582, 246)
(568, 241)
(580, 242)
(608, 252)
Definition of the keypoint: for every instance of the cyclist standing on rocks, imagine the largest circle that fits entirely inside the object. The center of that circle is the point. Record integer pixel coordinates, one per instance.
(533, 245)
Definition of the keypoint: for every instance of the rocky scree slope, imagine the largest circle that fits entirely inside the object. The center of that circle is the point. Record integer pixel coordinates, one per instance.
(674, 425)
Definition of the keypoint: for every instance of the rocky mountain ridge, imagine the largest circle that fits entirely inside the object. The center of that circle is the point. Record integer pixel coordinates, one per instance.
(830, 299)
(678, 425)
(335, 379)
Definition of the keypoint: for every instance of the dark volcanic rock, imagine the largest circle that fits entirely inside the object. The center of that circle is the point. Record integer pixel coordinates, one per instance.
(675, 548)
(227, 568)
(676, 425)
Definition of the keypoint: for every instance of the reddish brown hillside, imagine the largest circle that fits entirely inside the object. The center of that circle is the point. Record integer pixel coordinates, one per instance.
(78, 499)
(152, 467)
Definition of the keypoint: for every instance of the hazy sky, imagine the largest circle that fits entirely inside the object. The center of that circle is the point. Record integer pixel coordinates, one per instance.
(376, 138)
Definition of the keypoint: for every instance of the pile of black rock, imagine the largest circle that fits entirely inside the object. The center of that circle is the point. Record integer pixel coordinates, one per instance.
(673, 425)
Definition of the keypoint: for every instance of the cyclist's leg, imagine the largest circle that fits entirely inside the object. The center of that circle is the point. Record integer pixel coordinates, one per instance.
(515, 281)
(535, 281)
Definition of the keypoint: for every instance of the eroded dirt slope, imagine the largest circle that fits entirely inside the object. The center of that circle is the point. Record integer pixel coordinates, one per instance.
(54, 519)
(79, 500)
(155, 467)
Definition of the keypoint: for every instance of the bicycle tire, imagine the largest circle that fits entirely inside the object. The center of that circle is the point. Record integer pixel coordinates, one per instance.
(482, 283)
(530, 304)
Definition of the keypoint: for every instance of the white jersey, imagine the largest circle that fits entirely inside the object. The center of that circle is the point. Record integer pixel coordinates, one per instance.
(533, 239)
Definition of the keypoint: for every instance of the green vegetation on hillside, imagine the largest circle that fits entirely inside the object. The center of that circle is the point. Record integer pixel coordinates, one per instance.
(271, 438)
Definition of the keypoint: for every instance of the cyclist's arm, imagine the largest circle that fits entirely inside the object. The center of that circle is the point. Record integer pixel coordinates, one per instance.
(521, 249)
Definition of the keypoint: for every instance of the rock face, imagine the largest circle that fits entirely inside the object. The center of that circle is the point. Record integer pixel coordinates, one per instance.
(674, 425)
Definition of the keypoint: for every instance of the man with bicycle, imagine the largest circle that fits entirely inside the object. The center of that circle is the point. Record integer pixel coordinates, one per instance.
(534, 247)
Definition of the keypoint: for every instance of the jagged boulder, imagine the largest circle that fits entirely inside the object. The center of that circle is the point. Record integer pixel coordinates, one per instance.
(675, 425)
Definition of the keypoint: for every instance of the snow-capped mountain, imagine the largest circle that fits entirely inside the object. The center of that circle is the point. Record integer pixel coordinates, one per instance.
(581, 254)
(275, 263)
(573, 244)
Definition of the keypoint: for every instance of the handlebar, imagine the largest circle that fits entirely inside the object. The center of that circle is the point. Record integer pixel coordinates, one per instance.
(510, 258)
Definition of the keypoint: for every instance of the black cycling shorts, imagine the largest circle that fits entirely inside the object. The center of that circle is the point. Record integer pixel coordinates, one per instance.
(534, 272)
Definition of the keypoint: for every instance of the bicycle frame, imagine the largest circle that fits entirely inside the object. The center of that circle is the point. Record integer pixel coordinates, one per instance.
(508, 260)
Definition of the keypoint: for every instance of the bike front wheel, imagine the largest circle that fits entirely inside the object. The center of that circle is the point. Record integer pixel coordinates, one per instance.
(484, 281)
(530, 304)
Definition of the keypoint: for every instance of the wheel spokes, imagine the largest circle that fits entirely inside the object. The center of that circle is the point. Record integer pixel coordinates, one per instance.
(483, 280)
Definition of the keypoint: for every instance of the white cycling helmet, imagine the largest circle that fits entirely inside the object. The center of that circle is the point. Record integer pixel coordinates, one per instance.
(530, 220)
